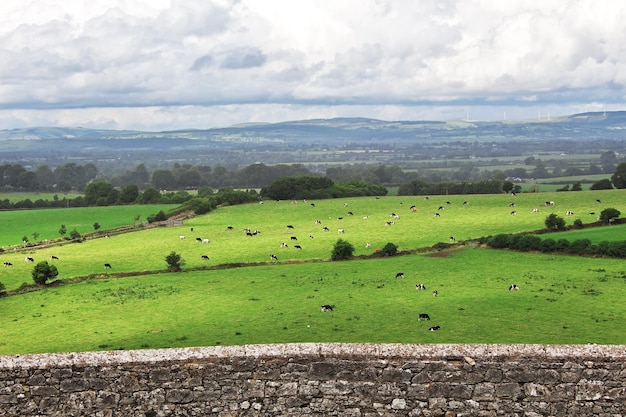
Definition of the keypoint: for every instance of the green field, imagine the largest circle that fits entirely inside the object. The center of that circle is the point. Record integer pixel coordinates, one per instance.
(563, 299)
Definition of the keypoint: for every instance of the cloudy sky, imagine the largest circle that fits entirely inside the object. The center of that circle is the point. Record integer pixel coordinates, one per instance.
(170, 64)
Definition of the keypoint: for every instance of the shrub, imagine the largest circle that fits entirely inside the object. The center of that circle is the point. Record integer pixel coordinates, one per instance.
(529, 243)
(609, 215)
(578, 224)
(174, 261)
(342, 250)
(617, 249)
(562, 245)
(554, 222)
(548, 245)
(500, 241)
(2, 288)
(44, 272)
(389, 249)
(580, 247)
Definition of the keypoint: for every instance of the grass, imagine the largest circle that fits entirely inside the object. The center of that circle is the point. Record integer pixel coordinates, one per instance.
(562, 299)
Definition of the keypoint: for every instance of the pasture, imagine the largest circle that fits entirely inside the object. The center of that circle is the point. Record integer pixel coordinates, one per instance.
(562, 299)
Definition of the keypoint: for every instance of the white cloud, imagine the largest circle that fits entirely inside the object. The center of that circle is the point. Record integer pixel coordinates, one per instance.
(197, 63)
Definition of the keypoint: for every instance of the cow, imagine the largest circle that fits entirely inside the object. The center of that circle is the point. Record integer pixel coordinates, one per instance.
(297, 247)
(448, 203)
(53, 257)
(534, 210)
(434, 328)
(199, 239)
(318, 222)
(548, 203)
(513, 213)
(400, 275)
(435, 293)
(312, 204)
(290, 226)
(339, 218)
(420, 287)
(205, 241)
(452, 239)
(205, 257)
(326, 229)
(513, 287)
(569, 213)
(328, 307)
(426, 198)
(311, 237)
(350, 213)
(273, 257)
(441, 208)
(8, 264)
(107, 266)
(340, 231)
(229, 228)
(423, 316)
(465, 203)
(511, 204)
(436, 215)
(181, 237)
(368, 245)
(293, 238)
(284, 245)
(389, 223)
(598, 201)
(29, 259)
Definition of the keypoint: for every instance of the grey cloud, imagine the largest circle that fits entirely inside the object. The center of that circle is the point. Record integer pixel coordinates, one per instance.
(204, 61)
(244, 58)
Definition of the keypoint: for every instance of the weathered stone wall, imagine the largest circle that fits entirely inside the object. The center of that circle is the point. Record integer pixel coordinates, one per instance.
(320, 380)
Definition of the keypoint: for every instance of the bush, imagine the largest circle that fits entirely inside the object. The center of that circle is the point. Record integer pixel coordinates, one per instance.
(529, 243)
(3, 289)
(609, 215)
(44, 272)
(500, 241)
(175, 262)
(548, 245)
(617, 249)
(342, 250)
(561, 245)
(580, 247)
(389, 249)
(554, 222)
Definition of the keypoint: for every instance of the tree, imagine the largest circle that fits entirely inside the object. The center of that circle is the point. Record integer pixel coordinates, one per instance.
(342, 250)
(96, 226)
(62, 230)
(43, 272)
(554, 222)
(609, 215)
(24, 239)
(74, 234)
(129, 194)
(619, 177)
(604, 184)
(174, 261)
(389, 249)
(98, 193)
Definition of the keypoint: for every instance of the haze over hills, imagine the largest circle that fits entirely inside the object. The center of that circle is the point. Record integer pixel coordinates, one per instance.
(286, 141)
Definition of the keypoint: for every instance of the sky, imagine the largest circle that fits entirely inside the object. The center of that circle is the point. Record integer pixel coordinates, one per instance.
(172, 64)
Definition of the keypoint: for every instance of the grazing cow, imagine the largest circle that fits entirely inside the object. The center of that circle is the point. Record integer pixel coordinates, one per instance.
(534, 210)
(511, 204)
(318, 222)
(273, 257)
(366, 217)
(107, 266)
(420, 287)
(328, 307)
(339, 218)
(592, 213)
(513, 213)
(452, 239)
(284, 245)
(549, 203)
(465, 203)
(326, 229)
(290, 226)
(350, 213)
(8, 264)
(434, 328)
(569, 213)
(206, 257)
(293, 238)
(513, 193)
(229, 228)
(435, 293)
(249, 234)
(423, 316)
(513, 287)
(297, 247)
(198, 239)
(29, 259)
(53, 257)
(598, 201)
(389, 223)
(441, 208)
(340, 231)
(312, 204)
(400, 275)
(368, 245)
(181, 237)
(448, 203)
(205, 240)
(426, 198)
(436, 215)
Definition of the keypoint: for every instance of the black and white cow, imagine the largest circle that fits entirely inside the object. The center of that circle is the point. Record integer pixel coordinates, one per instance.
(29, 259)
(423, 316)
(8, 264)
(569, 213)
(434, 328)
(340, 231)
(293, 238)
(400, 275)
(273, 257)
(328, 307)
(513, 287)
(297, 247)
(290, 226)
(205, 257)
(53, 257)
(107, 266)
(435, 293)
(420, 287)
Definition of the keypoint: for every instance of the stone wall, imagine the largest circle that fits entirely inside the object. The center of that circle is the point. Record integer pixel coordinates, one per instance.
(320, 380)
